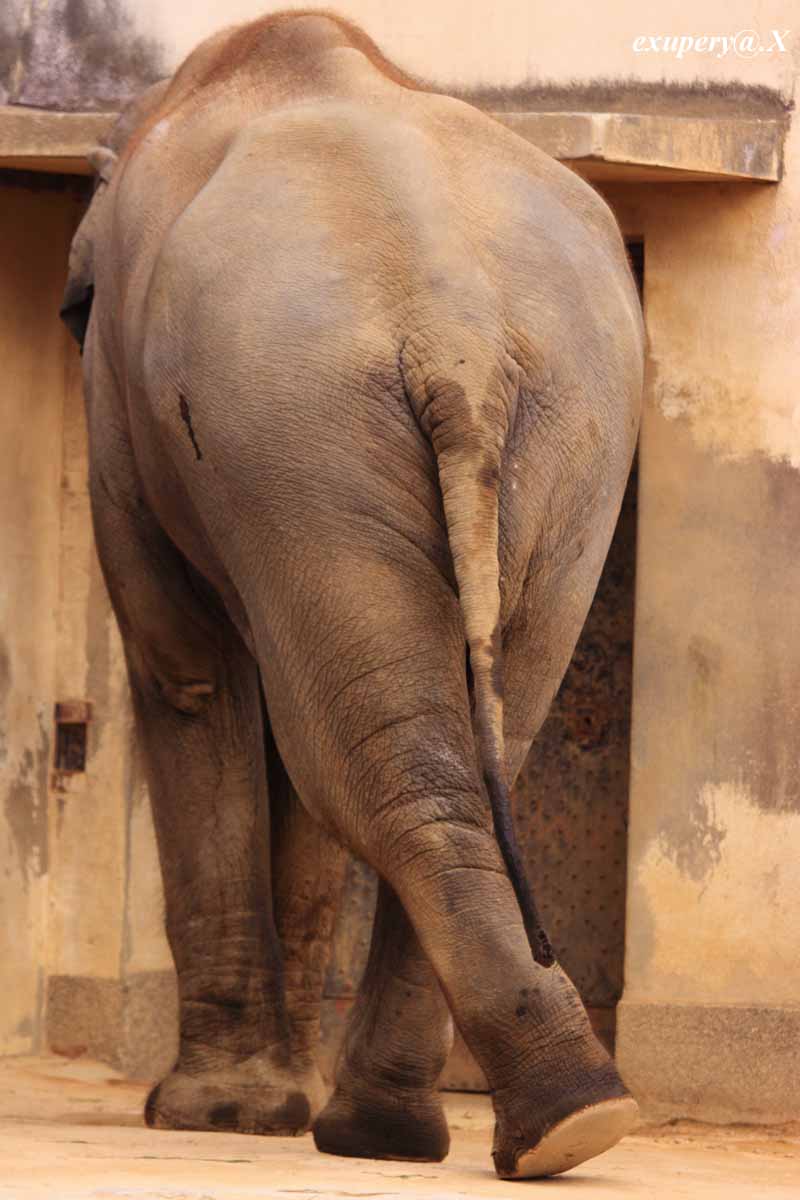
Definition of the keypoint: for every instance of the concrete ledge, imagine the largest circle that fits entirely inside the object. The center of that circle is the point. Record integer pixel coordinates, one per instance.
(599, 146)
(35, 140)
(629, 146)
(716, 1063)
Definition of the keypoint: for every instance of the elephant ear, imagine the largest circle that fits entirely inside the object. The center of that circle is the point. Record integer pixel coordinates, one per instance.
(104, 161)
(76, 305)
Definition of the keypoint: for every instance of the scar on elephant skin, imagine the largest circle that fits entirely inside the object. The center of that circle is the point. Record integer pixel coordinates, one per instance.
(186, 417)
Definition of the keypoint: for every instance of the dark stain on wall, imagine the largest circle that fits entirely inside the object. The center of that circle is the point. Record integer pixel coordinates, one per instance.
(728, 668)
(761, 735)
(691, 837)
(11, 49)
(26, 808)
(571, 798)
(88, 54)
(75, 55)
(25, 799)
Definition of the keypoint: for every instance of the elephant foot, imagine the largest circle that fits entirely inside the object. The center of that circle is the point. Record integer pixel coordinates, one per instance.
(563, 1101)
(250, 1097)
(582, 1113)
(380, 1125)
(573, 1140)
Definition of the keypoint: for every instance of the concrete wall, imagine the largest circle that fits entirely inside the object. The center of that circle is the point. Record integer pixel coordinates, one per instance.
(34, 234)
(106, 950)
(710, 1021)
(89, 53)
(82, 949)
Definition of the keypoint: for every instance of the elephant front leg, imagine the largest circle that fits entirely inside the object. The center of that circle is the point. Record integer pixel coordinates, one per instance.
(386, 1101)
(235, 1070)
(196, 695)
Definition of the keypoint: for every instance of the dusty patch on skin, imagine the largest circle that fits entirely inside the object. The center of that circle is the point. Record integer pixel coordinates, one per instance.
(489, 473)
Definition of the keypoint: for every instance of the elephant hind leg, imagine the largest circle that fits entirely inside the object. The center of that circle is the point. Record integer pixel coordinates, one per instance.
(391, 730)
(386, 1102)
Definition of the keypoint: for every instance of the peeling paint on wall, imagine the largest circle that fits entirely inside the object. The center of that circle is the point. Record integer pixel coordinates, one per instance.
(728, 420)
(26, 808)
(722, 923)
(717, 669)
(693, 838)
(25, 801)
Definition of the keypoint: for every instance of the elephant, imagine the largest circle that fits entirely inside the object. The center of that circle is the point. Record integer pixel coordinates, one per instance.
(363, 371)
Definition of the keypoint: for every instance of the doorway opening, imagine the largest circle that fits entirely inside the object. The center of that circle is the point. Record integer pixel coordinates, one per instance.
(571, 800)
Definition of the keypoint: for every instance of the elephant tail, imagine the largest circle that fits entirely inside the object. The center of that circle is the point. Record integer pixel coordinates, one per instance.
(468, 455)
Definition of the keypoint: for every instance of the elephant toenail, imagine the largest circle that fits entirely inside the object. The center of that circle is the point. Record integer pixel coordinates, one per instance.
(295, 1113)
(223, 1115)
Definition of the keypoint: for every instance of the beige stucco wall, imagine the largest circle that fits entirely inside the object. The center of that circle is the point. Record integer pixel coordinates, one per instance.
(105, 940)
(34, 231)
(105, 911)
(721, 441)
(86, 833)
(59, 54)
(714, 852)
(80, 892)
(468, 43)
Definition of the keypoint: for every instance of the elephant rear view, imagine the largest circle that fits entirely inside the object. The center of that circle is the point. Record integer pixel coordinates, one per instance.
(363, 373)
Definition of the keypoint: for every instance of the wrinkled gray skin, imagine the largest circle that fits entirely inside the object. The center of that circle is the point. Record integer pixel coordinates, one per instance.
(363, 372)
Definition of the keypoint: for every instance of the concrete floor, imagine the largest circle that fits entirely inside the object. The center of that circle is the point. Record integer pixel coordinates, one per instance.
(73, 1131)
